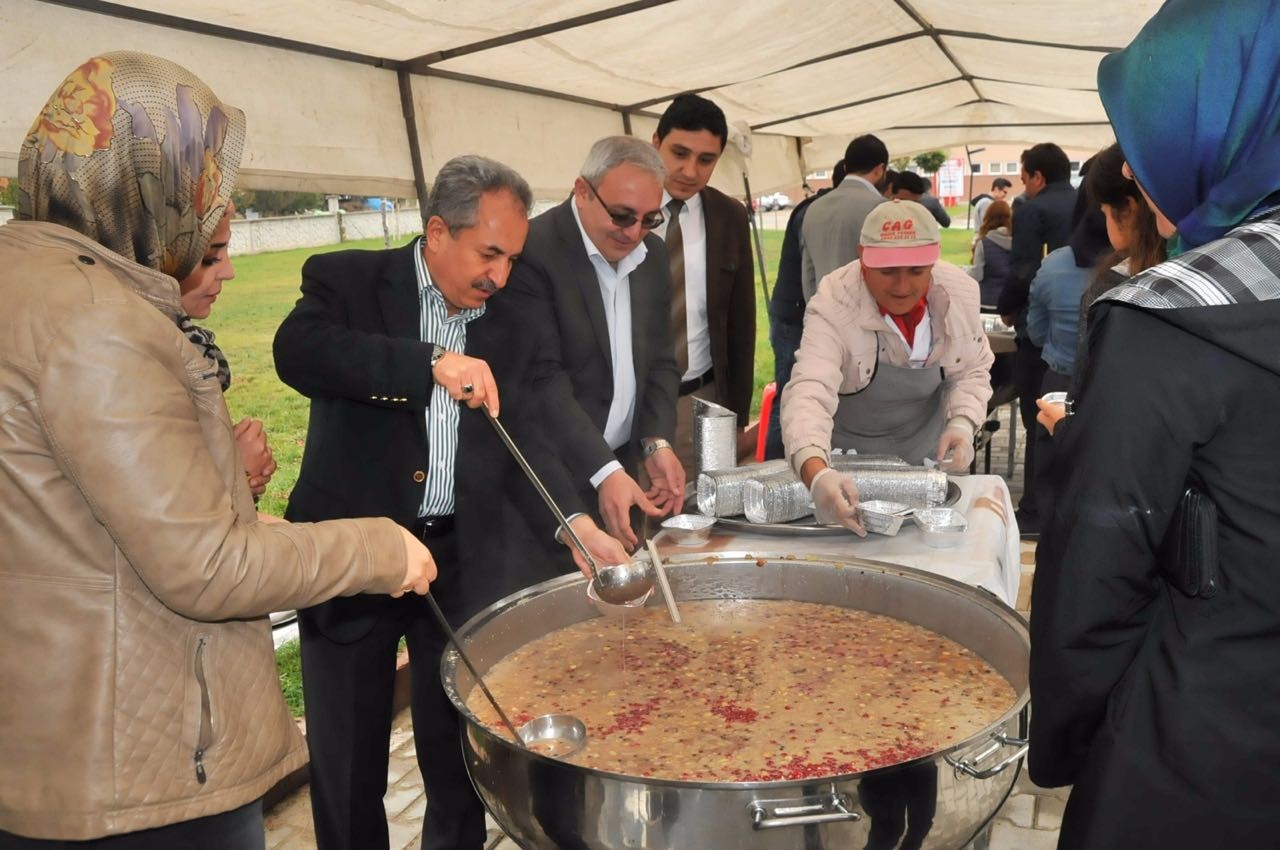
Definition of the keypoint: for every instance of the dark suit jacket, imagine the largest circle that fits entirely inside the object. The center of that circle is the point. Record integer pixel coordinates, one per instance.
(731, 301)
(1039, 223)
(352, 346)
(554, 270)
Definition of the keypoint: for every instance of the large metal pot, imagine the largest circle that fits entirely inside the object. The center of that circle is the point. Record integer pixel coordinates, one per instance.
(944, 799)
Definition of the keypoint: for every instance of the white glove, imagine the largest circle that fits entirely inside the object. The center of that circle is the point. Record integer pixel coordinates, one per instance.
(957, 442)
(835, 500)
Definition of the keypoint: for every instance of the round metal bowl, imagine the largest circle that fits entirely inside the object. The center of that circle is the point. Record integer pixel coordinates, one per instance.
(946, 797)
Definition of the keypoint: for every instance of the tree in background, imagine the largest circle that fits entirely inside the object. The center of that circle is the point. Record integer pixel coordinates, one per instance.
(930, 162)
(8, 192)
(900, 163)
(277, 203)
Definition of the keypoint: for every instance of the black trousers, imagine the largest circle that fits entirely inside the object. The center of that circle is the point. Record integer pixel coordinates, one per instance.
(238, 829)
(1028, 371)
(348, 687)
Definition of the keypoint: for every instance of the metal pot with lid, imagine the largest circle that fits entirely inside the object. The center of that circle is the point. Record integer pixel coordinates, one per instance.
(942, 799)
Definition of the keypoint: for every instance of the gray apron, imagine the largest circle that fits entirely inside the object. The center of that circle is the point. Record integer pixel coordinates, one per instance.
(899, 412)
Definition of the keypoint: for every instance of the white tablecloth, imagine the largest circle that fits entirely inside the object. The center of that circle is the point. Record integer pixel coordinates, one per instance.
(987, 555)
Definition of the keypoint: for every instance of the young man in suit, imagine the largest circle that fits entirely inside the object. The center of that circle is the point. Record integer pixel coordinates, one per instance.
(593, 262)
(400, 351)
(713, 303)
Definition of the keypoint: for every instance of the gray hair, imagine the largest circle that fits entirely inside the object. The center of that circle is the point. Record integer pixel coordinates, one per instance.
(455, 196)
(611, 151)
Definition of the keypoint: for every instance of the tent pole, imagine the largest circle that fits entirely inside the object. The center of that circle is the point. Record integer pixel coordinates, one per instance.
(411, 130)
(626, 122)
(755, 234)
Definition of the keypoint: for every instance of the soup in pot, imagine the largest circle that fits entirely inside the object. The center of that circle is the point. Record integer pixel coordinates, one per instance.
(750, 691)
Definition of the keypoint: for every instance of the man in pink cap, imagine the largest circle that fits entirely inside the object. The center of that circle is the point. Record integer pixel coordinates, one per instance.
(893, 360)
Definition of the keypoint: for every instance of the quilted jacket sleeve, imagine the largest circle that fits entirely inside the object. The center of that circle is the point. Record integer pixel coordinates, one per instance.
(147, 440)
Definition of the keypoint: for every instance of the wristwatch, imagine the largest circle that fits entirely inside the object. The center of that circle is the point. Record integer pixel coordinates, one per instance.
(437, 352)
(653, 445)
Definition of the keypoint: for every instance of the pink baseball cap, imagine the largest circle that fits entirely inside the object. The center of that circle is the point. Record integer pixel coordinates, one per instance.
(900, 233)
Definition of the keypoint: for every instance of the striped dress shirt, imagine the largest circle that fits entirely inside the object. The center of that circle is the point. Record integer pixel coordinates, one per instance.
(450, 332)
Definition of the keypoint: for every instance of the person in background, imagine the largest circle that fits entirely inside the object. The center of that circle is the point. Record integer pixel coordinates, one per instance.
(1054, 314)
(135, 565)
(1116, 239)
(870, 373)
(1042, 223)
(992, 261)
(890, 184)
(829, 236)
(999, 192)
(786, 312)
(909, 186)
(1155, 643)
(199, 291)
(713, 302)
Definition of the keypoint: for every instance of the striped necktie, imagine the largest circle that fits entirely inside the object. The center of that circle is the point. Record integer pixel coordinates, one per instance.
(679, 320)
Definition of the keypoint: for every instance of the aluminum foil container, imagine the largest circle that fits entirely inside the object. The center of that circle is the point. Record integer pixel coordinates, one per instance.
(720, 490)
(780, 497)
(842, 460)
(941, 528)
(912, 485)
(715, 436)
(689, 529)
(881, 517)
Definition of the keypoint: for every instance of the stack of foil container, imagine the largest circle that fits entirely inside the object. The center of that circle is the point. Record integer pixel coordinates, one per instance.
(771, 492)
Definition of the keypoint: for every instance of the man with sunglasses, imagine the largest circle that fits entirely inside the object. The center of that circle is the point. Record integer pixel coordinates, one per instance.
(605, 276)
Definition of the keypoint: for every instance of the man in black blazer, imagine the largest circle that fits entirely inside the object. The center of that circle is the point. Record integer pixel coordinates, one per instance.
(399, 351)
(709, 247)
(604, 276)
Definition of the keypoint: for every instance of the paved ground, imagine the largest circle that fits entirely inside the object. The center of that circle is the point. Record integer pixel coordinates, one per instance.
(1029, 820)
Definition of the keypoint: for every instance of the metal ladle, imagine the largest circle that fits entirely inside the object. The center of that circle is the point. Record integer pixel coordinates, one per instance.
(617, 584)
(556, 735)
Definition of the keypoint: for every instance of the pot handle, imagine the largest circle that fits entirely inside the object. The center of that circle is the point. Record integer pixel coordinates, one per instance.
(970, 764)
(832, 807)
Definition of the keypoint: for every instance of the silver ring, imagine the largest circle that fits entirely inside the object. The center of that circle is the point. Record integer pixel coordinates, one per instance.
(468, 389)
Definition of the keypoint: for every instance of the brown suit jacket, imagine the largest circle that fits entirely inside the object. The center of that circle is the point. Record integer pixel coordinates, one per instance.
(731, 301)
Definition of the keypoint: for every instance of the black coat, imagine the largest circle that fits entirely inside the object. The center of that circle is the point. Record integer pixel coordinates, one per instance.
(1161, 708)
(352, 346)
(1040, 224)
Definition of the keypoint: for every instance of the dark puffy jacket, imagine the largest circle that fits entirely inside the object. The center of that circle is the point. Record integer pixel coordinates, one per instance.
(997, 267)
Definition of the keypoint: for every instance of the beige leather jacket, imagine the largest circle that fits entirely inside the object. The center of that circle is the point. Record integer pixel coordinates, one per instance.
(138, 685)
(844, 335)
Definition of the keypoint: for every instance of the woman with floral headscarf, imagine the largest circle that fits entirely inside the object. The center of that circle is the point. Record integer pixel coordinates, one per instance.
(139, 704)
(1155, 655)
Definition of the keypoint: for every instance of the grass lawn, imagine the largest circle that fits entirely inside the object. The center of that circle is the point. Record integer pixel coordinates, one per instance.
(252, 306)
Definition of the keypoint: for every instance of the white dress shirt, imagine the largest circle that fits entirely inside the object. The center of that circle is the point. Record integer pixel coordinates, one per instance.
(615, 291)
(693, 228)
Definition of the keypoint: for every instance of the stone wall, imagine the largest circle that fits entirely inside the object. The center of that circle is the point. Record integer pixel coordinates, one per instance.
(259, 235)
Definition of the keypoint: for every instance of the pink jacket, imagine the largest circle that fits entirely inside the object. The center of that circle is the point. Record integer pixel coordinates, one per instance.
(844, 334)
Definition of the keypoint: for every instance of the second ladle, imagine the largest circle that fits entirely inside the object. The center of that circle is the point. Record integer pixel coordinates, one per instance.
(555, 735)
(617, 584)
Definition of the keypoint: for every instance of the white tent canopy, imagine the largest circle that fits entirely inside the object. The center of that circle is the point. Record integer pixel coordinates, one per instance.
(339, 94)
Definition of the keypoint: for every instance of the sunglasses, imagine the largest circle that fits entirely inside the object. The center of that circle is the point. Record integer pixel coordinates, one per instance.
(626, 219)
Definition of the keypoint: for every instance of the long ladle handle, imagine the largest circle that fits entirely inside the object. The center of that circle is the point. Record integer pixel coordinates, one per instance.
(457, 644)
(542, 490)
